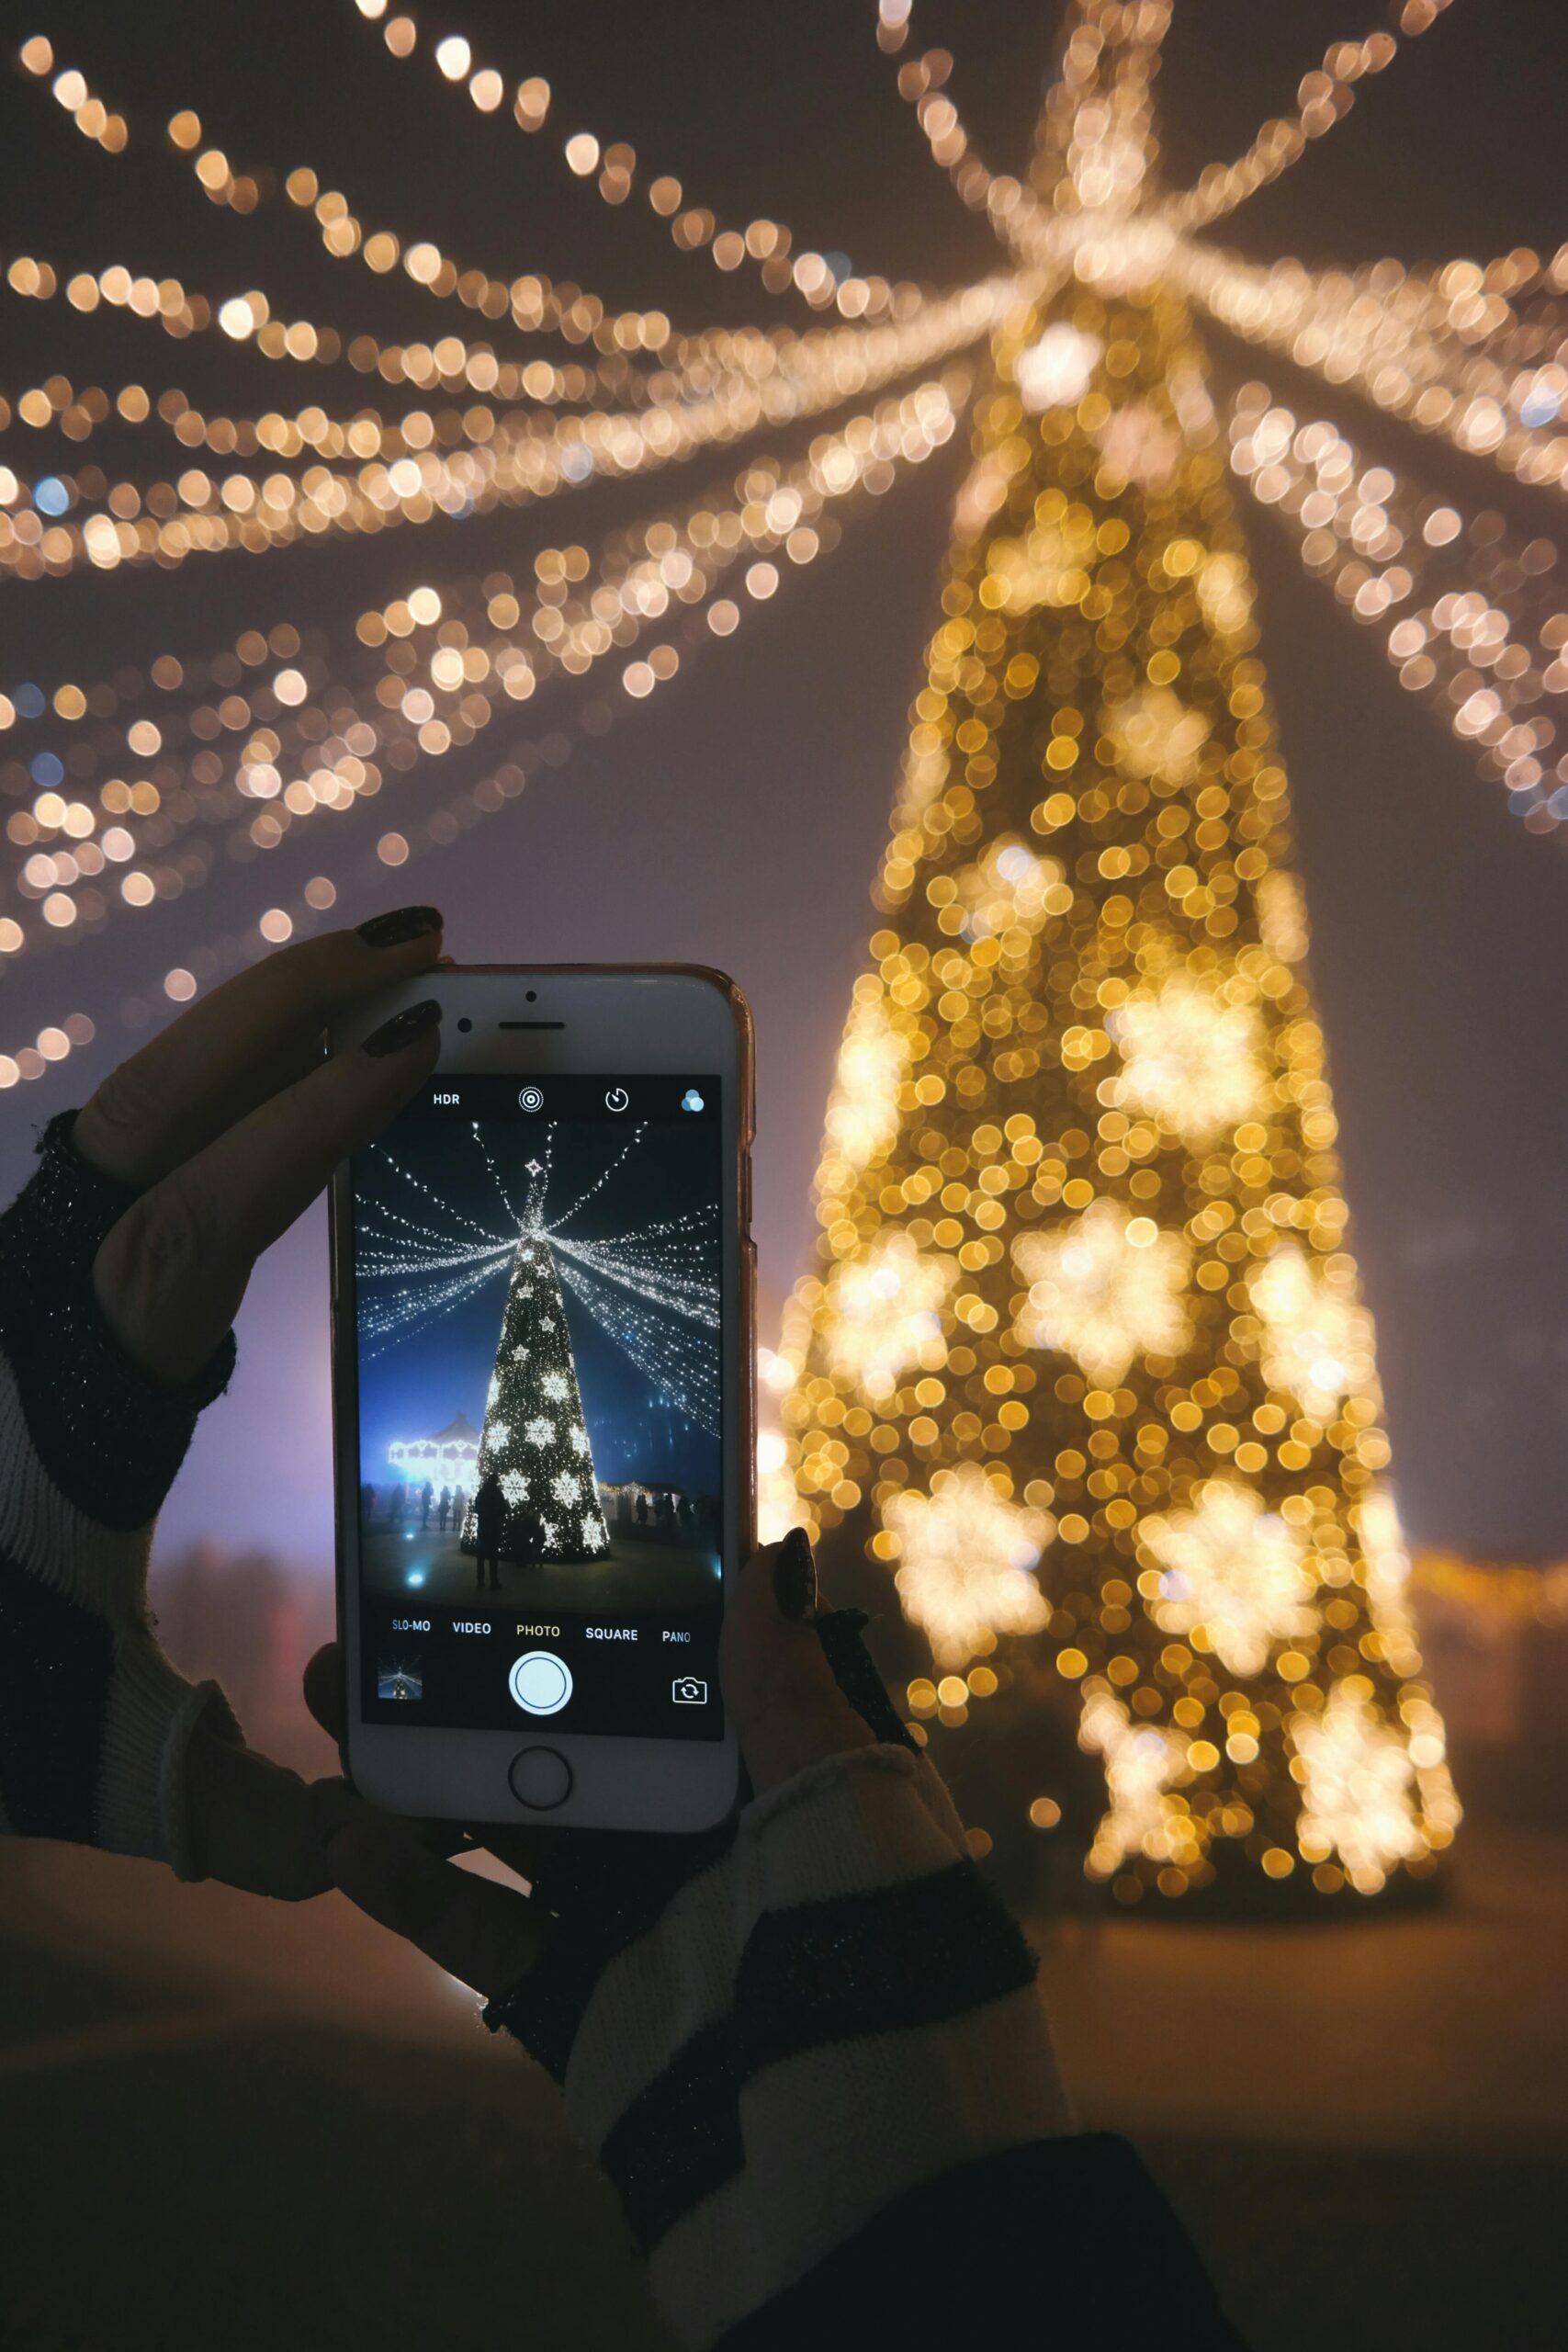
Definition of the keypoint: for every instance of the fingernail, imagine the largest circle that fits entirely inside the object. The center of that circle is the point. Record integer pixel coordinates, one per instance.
(403, 1028)
(794, 1576)
(403, 924)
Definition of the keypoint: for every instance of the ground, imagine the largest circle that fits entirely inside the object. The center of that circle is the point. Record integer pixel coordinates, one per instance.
(638, 1573)
(226, 2125)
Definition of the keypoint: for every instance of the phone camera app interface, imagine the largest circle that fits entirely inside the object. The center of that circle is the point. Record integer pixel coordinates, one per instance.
(539, 1286)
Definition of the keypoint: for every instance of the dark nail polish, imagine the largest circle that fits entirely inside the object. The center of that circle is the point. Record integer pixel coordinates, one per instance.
(403, 1028)
(404, 923)
(794, 1576)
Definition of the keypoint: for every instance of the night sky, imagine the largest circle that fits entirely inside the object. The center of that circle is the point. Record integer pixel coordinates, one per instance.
(736, 819)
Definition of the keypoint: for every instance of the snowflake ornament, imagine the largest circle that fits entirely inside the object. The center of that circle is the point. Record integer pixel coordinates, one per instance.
(1356, 1789)
(539, 1432)
(1318, 1339)
(863, 1114)
(1104, 1290)
(514, 1487)
(1233, 1568)
(1157, 736)
(1142, 1763)
(1189, 1060)
(882, 1309)
(553, 1386)
(1057, 370)
(966, 1558)
(1138, 444)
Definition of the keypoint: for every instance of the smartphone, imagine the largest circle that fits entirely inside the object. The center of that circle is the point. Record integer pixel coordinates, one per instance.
(543, 1401)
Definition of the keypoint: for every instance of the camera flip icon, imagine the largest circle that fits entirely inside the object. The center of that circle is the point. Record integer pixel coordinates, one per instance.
(687, 1692)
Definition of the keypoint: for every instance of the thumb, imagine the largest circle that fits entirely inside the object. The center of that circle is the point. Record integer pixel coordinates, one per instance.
(779, 1688)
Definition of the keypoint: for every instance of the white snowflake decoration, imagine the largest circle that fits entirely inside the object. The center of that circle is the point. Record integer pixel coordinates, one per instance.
(863, 1114)
(1104, 1290)
(553, 1386)
(966, 1554)
(592, 1531)
(882, 1309)
(1138, 444)
(1189, 1060)
(513, 1486)
(1157, 734)
(547, 1530)
(496, 1436)
(1009, 888)
(1047, 566)
(539, 1432)
(1224, 593)
(1317, 1341)
(566, 1487)
(1283, 915)
(1356, 1789)
(1235, 1569)
(1142, 1760)
(494, 1389)
(1387, 1561)
(1057, 370)
(577, 1437)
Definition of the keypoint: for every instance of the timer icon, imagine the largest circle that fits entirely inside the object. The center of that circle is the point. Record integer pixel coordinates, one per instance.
(616, 1099)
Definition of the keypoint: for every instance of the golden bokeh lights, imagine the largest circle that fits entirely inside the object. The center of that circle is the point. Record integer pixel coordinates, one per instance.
(1084, 1347)
(1141, 1414)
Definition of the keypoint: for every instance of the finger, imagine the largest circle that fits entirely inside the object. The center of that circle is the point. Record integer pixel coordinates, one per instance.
(234, 1049)
(323, 1689)
(778, 1688)
(171, 1274)
(253, 1825)
(485, 1934)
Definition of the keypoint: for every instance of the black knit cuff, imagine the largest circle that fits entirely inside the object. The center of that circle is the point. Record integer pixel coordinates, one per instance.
(109, 1440)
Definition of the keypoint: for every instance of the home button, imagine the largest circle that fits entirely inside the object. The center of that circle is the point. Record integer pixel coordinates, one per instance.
(541, 1779)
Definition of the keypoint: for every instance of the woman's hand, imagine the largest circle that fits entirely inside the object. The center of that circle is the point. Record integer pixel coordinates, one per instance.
(228, 1123)
(780, 1697)
(121, 1268)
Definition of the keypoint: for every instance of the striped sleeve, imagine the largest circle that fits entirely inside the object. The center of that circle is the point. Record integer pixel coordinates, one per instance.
(94, 1721)
(832, 2011)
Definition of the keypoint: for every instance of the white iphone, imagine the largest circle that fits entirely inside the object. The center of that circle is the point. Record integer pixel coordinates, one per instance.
(542, 1279)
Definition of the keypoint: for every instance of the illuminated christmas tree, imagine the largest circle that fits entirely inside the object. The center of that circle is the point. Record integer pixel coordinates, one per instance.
(1086, 1336)
(535, 1439)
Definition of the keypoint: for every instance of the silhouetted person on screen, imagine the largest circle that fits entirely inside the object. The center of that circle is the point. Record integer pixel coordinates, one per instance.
(426, 1497)
(444, 1508)
(642, 1512)
(490, 1523)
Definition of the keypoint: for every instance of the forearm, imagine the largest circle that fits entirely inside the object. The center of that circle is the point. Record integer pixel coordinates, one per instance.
(94, 1721)
(809, 2052)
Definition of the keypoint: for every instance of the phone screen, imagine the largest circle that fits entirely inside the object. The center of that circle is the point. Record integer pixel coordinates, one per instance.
(539, 1298)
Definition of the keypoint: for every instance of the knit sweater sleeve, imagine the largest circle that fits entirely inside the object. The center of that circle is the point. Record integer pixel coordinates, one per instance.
(810, 2054)
(95, 1722)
